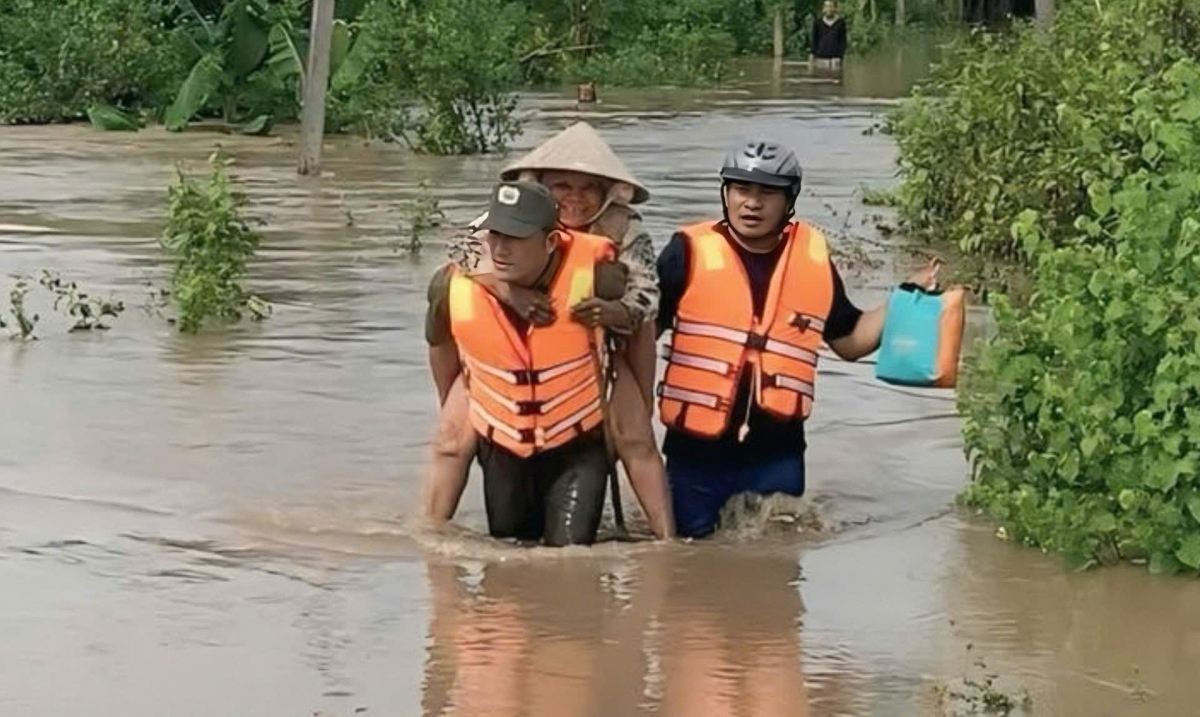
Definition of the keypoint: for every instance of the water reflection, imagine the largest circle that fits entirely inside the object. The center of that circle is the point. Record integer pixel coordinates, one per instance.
(1115, 641)
(679, 633)
(888, 72)
(721, 657)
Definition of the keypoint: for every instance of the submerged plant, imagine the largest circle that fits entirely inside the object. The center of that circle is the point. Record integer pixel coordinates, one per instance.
(16, 301)
(89, 313)
(424, 213)
(875, 197)
(211, 244)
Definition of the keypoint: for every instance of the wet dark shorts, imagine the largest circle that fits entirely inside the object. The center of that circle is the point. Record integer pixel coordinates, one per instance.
(700, 489)
(556, 496)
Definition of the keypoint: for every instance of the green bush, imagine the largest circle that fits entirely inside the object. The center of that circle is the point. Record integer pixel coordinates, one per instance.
(60, 57)
(646, 42)
(246, 62)
(211, 244)
(667, 56)
(439, 75)
(1029, 121)
(1082, 414)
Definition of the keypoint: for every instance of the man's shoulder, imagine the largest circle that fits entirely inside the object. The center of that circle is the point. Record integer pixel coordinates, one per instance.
(439, 283)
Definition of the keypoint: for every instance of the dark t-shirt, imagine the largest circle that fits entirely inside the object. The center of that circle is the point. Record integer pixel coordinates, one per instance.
(769, 437)
(829, 41)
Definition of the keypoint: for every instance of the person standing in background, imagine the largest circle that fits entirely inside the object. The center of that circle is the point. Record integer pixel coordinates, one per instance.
(828, 38)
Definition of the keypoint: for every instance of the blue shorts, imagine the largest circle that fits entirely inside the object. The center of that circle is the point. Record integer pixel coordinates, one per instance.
(700, 489)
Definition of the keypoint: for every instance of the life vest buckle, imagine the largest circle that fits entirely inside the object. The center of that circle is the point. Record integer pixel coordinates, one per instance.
(529, 408)
(757, 342)
(800, 321)
(529, 435)
(525, 377)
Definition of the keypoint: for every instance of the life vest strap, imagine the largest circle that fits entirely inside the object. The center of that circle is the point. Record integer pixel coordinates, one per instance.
(539, 436)
(510, 377)
(804, 322)
(792, 384)
(495, 424)
(684, 395)
(528, 377)
(713, 331)
(575, 419)
(553, 372)
(567, 395)
(697, 362)
(795, 352)
(750, 339)
(534, 408)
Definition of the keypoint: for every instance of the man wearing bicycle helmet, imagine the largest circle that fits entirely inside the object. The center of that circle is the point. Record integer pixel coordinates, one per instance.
(749, 300)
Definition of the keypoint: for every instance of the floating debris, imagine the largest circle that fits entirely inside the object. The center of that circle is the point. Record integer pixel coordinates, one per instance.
(983, 693)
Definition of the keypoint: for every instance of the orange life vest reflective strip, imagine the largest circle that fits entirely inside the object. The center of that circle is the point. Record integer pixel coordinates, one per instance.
(717, 334)
(537, 389)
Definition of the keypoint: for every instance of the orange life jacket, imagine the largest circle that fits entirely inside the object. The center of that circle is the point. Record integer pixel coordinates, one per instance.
(538, 389)
(717, 334)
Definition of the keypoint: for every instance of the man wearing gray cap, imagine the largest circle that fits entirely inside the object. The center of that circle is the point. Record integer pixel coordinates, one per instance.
(536, 391)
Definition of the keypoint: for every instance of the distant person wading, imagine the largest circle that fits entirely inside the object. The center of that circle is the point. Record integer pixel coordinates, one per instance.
(828, 38)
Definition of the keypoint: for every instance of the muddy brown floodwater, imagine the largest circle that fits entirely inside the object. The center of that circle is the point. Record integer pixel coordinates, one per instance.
(221, 525)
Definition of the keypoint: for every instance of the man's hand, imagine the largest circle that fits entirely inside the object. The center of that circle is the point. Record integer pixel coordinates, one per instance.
(927, 276)
(594, 312)
(869, 330)
(531, 305)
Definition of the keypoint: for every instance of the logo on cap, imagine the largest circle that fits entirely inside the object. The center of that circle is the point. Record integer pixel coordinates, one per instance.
(508, 195)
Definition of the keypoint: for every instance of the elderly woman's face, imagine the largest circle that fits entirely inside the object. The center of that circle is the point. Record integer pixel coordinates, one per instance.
(579, 196)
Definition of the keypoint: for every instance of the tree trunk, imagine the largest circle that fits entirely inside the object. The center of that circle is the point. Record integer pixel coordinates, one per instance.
(1044, 13)
(316, 80)
(953, 10)
(779, 32)
(900, 13)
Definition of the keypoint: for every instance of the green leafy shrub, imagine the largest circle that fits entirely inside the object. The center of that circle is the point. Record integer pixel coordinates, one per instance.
(210, 243)
(1082, 413)
(1027, 121)
(673, 55)
(422, 213)
(437, 75)
(635, 43)
(58, 58)
(864, 35)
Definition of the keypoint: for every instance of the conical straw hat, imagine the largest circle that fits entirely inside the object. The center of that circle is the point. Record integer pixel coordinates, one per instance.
(578, 148)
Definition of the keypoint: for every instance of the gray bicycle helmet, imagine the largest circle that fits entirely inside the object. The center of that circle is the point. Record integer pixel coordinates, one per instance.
(767, 163)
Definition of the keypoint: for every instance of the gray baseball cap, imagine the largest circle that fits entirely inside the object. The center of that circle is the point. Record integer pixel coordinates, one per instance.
(521, 209)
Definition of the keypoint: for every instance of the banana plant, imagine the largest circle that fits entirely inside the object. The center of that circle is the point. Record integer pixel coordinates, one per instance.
(349, 54)
(255, 48)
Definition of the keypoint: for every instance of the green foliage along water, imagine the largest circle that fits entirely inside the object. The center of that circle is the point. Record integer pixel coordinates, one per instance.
(211, 244)
(59, 57)
(1076, 156)
(438, 74)
(1021, 120)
